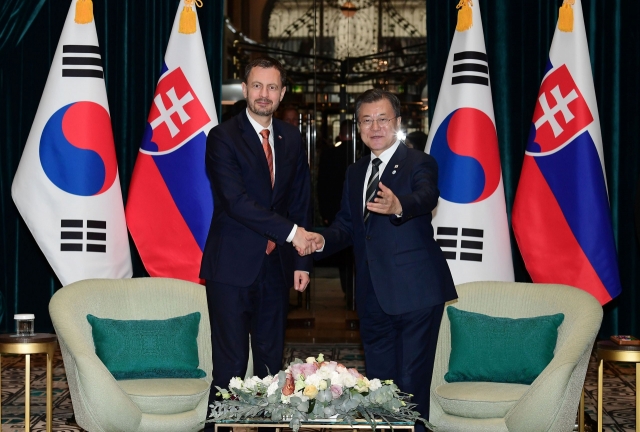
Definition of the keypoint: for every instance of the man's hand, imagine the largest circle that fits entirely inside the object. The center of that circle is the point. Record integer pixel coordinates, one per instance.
(317, 241)
(302, 245)
(300, 280)
(386, 202)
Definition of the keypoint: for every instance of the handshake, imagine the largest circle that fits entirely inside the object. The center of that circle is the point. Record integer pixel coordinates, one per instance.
(307, 242)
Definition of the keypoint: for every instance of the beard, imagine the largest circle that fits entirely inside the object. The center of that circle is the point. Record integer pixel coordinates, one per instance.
(266, 111)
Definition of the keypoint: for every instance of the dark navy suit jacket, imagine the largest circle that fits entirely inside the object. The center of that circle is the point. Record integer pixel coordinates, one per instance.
(406, 266)
(247, 211)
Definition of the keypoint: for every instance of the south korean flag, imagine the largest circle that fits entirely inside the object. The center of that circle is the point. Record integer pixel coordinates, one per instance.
(67, 187)
(470, 221)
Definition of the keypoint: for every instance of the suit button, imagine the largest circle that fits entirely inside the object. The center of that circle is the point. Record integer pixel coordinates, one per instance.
(368, 237)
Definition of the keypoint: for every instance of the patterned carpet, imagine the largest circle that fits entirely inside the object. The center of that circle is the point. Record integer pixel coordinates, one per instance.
(619, 392)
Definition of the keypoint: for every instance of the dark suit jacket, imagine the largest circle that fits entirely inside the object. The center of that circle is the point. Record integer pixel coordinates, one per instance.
(247, 211)
(406, 266)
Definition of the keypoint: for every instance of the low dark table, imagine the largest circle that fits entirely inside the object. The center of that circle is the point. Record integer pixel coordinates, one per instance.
(40, 343)
(610, 351)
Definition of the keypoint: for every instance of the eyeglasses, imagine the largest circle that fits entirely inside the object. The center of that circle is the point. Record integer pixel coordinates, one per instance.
(368, 122)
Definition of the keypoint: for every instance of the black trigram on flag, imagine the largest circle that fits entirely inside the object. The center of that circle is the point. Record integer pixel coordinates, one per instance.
(73, 239)
(470, 67)
(467, 246)
(82, 61)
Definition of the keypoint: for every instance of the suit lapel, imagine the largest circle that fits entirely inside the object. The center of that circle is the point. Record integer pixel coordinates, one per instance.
(394, 166)
(279, 146)
(391, 171)
(252, 140)
(357, 186)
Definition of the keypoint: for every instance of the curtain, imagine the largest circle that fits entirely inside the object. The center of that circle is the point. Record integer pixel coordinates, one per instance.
(133, 36)
(15, 19)
(518, 37)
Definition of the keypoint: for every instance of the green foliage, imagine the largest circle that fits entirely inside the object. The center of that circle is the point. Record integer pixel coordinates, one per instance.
(317, 390)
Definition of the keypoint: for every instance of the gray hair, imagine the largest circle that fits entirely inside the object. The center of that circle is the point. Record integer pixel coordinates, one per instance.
(374, 95)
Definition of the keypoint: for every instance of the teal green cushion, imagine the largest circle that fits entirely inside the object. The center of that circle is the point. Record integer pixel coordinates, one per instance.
(496, 349)
(133, 349)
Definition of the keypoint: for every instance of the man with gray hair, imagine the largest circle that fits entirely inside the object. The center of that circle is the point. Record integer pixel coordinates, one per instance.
(402, 278)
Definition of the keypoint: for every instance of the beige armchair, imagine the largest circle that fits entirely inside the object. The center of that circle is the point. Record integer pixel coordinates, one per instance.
(550, 403)
(100, 402)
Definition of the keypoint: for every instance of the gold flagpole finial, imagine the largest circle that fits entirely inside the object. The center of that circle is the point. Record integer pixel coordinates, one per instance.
(188, 17)
(84, 12)
(565, 17)
(465, 15)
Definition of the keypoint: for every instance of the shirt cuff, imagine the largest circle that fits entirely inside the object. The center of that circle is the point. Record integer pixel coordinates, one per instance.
(292, 233)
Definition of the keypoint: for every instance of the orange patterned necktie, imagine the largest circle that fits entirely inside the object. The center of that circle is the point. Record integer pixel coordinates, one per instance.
(267, 152)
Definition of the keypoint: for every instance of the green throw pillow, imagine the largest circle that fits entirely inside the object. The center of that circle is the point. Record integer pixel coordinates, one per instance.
(133, 349)
(496, 349)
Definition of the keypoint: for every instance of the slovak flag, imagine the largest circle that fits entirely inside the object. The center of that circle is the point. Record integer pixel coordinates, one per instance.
(470, 221)
(561, 214)
(170, 202)
(67, 187)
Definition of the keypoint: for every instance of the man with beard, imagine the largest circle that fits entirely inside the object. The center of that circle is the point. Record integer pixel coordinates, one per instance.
(261, 192)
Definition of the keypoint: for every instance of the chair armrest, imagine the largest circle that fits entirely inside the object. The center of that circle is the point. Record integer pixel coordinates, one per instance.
(107, 403)
(548, 392)
(104, 400)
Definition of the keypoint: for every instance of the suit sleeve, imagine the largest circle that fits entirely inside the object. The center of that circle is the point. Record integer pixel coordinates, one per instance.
(226, 178)
(340, 234)
(424, 196)
(299, 206)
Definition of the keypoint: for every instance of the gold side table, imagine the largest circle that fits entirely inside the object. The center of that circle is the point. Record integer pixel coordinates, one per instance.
(40, 343)
(610, 351)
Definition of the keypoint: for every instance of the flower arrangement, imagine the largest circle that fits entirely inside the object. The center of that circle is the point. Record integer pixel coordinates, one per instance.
(314, 390)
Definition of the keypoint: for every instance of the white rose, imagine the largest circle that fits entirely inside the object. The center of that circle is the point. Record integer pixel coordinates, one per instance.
(336, 379)
(313, 380)
(324, 372)
(250, 383)
(349, 380)
(273, 387)
(235, 382)
(268, 380)
(322, 385)
(374, 384)
(310, 360)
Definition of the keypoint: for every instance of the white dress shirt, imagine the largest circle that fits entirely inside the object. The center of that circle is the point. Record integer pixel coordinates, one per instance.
(384, 157)
(259, 128)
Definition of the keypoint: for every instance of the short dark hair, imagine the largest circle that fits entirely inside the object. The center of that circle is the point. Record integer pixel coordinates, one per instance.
(266, 63)
(374, 95)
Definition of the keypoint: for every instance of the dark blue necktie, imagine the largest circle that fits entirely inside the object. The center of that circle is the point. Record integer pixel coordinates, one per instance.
(372, 186)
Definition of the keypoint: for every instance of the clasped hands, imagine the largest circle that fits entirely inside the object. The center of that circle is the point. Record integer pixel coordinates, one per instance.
(386, 203)
(307, 242)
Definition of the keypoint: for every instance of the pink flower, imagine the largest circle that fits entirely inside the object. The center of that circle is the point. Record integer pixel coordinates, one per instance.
(336, 391)
(289, 386)
(354, 372)
(305, 369)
